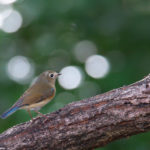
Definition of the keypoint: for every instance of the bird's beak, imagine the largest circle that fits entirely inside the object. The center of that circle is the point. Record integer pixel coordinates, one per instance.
(58, 74)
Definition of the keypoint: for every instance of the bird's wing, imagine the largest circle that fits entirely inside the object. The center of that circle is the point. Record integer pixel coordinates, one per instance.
(36, 94)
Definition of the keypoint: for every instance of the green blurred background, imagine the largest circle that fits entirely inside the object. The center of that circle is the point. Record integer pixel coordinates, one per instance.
(48, 37)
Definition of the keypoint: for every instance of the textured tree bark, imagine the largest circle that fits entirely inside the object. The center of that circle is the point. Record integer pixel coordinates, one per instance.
(86, 124)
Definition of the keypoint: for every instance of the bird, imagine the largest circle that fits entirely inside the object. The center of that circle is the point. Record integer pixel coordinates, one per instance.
(37, 95)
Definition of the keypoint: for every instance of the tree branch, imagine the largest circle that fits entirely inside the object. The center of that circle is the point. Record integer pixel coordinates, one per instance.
(86, 124)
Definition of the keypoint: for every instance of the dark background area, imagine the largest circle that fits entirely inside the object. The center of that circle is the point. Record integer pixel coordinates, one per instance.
(120, 30)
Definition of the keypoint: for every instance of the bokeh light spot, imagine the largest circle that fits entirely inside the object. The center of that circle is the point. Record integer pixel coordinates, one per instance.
(84, 49)
(5, 2)
(97, 66)
(71, 77)
(20, 69)
(12, 22)
(5, 11)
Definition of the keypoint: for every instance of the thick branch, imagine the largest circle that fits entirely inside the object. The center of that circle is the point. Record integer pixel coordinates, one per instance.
(87, 124)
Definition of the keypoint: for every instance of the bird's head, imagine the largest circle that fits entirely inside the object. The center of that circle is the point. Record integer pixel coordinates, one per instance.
(50, 76)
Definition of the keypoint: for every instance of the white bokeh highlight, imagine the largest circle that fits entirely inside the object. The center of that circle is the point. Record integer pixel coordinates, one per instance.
(71, 77)
(84, 49)
(20, 69)
(10, 21)
(5, 11)
(6, 2)
(97, 66)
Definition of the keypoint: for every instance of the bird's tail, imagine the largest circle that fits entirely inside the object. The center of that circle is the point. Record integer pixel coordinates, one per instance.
(9, 112)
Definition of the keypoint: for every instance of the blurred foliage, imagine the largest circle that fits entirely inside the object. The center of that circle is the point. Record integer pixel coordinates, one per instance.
(119, 28)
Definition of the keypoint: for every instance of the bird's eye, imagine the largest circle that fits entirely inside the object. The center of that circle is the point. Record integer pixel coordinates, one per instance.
(51, 75)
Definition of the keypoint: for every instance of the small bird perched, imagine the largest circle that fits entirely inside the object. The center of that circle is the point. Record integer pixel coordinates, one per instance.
(38, 95)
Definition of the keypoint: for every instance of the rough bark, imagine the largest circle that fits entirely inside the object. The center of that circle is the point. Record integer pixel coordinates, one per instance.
(86, 124)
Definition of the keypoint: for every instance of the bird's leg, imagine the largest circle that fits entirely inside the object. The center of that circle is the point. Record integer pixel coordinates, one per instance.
(28, 110)
(38, 113)
(42, 115)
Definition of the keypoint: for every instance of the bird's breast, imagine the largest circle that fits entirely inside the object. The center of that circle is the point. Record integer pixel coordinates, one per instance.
(43, 101)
